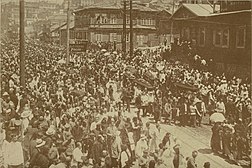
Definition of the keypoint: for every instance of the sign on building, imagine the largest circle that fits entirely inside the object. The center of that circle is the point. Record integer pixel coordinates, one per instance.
(78, 47)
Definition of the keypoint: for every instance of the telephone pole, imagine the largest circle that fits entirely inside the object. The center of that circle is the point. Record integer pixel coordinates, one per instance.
(171, 33)
(22, 43)
(124, 27)
(68, 34)
(131, 30)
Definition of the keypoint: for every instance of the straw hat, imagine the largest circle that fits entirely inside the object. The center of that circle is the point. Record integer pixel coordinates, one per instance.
(40, 143)
(5, 94)
(50, 131)
(26, 113)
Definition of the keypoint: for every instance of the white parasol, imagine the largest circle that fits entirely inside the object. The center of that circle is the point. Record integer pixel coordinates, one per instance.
(217, 117)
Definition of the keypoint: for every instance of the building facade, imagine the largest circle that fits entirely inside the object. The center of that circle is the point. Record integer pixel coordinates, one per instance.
(104, 23)
(218, 34)
(35, 12)
(223, 36)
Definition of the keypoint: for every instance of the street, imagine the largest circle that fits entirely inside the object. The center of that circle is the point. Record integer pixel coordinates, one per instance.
(125, 84)
(193, 139)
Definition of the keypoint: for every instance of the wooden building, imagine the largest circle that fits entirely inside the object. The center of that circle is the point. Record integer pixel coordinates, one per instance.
(218, 34)
(104, 23)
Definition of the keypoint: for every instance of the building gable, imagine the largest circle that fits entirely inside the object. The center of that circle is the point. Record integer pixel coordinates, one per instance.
(183, 13)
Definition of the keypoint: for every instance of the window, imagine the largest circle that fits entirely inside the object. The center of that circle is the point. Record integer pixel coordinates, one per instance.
(186, 33)
(113, 37)
(217, 37)
(71, 35)
(104, 18)
(221, 38)
(202, 33)
(78, 35)
(139, 21)
(153, 22)
(84, 35)
(225, 38)
(119, 37)
(98, 37)
(100, 18)
(140, 40)
(240, 37)
(112, 19)
(144, 22)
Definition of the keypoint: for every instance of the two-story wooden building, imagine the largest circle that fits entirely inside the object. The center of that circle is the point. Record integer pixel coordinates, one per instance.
(104, 23)
(221, 32)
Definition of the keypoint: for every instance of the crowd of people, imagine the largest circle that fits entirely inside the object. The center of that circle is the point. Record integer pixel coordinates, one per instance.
(75, 115)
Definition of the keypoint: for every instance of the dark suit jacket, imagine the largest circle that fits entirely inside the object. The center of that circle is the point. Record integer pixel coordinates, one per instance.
(191, 163)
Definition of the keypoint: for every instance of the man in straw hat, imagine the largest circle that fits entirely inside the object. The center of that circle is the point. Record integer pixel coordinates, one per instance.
(25, 118)
(49, 137)
(40, 159)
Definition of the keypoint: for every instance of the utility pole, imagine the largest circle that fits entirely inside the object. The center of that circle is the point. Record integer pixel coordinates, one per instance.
(68, 34)
(0, 61)
(124, 27)
(22, 43)
(171, 33)
(131, 30)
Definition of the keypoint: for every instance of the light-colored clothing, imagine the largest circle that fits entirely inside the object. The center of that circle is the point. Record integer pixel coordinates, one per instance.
(25, 123)
(93, 126)
(115, 149)
(140, 147)
(14, 154)
(124, 158)
(221, 107)
(77, 155)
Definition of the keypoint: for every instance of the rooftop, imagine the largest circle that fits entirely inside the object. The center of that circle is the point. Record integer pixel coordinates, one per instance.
(201, 9)
(71, 25)
(205, 10)
(117, 6)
